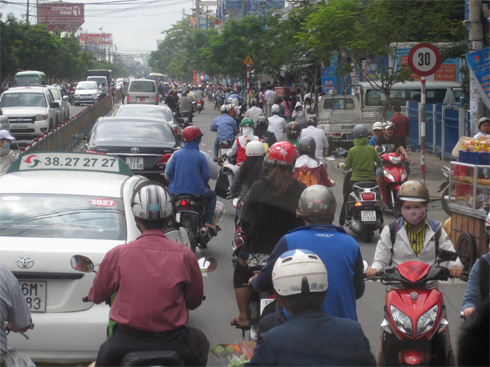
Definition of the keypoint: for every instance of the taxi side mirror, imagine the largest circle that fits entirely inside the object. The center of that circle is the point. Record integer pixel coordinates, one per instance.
(79, 136)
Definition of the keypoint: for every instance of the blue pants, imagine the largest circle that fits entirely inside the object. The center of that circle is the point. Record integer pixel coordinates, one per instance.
(216, 146)
(210, 198)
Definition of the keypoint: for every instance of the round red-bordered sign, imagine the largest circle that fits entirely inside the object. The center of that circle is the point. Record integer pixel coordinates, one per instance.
(424, 59)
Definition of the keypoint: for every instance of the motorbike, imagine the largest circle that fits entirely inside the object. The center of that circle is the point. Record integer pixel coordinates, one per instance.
(415, 328)
(394, 175)
(364, 209)
(189, 214)
(151, 357)
(199, 105)
(224, 146)
(259, 300)
(446, 171)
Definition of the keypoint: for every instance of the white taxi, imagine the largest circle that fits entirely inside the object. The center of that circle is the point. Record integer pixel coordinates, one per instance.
(53, 206)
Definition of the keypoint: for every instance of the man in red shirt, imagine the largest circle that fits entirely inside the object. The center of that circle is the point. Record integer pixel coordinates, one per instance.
(156, 281)
(402, 126)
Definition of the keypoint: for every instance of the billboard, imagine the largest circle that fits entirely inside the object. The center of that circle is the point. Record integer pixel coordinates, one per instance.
(95, 39)
(67, 17)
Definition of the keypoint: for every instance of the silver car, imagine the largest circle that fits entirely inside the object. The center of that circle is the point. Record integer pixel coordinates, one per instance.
(85, 92)
(59, 95)
(142, 91)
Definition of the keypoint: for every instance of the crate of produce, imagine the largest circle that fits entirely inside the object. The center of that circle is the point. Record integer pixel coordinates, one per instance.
(474, 157)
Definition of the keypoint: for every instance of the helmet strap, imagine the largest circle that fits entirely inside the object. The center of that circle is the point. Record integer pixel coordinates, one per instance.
(305, 287)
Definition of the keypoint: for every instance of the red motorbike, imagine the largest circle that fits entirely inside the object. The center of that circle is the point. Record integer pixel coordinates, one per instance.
(394, 175)
(415, 328)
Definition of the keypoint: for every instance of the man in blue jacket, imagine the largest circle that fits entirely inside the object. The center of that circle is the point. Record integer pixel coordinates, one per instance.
(310, 337)
(188, 172)
(225, 127)
(339, 252)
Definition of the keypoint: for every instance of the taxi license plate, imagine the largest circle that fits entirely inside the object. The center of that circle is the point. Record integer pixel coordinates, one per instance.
(35, 295)
(135, 163)
(368, 215)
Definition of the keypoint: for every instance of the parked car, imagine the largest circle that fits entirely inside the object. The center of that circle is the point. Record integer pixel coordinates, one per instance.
(145, 144)
(86, 92)
(160, 111)
(31, 110)
(142, 91)
(62, 98)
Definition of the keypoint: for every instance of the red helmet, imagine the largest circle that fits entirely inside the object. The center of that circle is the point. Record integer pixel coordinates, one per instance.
(190, 133)
(282, 153)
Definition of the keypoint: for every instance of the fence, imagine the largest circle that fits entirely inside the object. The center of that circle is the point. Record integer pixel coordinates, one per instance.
(445, 124)
(60, 138)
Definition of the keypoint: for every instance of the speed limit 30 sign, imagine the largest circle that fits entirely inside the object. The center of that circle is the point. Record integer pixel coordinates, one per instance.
(424, 59)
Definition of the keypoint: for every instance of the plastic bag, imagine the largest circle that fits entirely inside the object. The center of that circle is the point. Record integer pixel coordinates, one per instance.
(14, 359)
(219, 210)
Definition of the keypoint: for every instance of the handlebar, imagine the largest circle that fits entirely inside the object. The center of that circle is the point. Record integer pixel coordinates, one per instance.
(85, 299)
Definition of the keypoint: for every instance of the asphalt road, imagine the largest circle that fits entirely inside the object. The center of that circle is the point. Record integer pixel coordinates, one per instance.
(219, 308)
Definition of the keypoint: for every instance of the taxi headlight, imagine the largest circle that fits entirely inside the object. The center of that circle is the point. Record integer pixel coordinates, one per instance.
(427, 320)
(402, 321)
(41, 117)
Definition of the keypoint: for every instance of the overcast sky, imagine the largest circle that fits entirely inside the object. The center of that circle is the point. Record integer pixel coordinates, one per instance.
(135, 24)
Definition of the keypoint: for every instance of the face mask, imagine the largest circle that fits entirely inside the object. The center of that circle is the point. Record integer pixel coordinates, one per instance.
(247, 130)
(6, 145)
(414, 215)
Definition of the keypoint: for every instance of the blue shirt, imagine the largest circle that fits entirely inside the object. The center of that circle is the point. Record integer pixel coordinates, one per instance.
(341, 255)
(188, 171)
(473, 296)
(372, 141)
(225, 127)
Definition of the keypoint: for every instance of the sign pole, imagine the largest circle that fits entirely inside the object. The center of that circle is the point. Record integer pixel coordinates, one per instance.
(248, 80)
(422, 128)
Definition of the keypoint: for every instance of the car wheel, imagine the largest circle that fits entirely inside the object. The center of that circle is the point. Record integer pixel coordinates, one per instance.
(77, 104)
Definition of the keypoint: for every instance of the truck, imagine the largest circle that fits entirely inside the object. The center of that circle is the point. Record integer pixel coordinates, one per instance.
(98, 75)
(338, 114)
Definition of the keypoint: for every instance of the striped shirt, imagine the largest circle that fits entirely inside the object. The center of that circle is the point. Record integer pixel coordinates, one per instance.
(417, 239)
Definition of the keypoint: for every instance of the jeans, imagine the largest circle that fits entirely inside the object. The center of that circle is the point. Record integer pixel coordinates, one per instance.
(216, 146)
(210, 198)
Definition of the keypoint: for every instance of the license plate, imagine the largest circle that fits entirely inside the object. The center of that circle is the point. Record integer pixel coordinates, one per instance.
(142, 99)
(135, 163)
(35, 295)
(368, 215)
(19, 127)
(264, 302)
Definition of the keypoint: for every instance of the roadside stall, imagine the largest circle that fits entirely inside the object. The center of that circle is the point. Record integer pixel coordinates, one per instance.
(469, 187)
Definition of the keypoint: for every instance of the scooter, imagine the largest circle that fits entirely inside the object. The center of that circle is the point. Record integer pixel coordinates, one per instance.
(364, 210)
(446, 171)
(143, 358)
(394, 175)
(199, 105)
(415, 329)
(189, 214)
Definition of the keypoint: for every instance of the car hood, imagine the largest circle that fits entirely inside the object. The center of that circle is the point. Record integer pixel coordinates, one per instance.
(23, 111)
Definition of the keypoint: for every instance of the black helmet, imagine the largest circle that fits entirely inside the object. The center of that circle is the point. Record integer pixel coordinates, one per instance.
(307, 145)
(262, 120)
(317, 204)
(360, 131)
(311, 120)
(293, 130)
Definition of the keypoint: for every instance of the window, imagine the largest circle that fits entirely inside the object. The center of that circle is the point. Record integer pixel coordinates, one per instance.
(142, 86)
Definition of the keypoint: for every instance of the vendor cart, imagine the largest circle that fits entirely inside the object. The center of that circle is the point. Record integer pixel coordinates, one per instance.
(469, 203)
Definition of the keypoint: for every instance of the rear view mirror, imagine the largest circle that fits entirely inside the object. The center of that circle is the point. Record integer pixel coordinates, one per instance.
(79, 135)
(446, 255)
(82, 263)
(207, 264)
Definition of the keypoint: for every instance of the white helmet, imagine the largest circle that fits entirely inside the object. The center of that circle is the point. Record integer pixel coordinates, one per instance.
(378, 125)
(225, 108)
(275, 108)
(151, 201)
(388, 125)
(299, 272)
(254, 149)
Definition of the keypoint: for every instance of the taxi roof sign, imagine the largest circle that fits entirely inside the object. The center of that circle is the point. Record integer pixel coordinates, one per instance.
(70, 161)
(248, 60)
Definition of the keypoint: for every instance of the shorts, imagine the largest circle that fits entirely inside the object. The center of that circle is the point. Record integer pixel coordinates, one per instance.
(379, 171)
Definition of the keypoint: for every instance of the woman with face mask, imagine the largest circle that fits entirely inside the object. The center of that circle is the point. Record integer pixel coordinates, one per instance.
(415, 234)
(7, 156)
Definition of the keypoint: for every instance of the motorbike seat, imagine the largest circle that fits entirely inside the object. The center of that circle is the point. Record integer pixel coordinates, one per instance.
(152, 358)
(365, 185)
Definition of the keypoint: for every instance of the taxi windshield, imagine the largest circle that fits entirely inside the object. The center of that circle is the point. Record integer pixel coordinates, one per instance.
(47, 216)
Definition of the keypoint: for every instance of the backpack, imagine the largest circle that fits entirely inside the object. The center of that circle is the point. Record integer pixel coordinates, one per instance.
(484, 275)
(306, 176)
(393, 231)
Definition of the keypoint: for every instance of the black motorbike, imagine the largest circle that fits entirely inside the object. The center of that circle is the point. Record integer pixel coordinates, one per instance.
(446, 171)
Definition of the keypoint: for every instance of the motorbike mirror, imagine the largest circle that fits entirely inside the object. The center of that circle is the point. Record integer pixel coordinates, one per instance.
(390, 270)
(207, 264)
(235, 202)
(446, 255)
(180, 120)
(365, 265)
(380, 149)
(82, 263)
(247, 259)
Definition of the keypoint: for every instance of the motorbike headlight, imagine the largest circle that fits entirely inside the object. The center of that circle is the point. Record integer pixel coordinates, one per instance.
(402, 321)
(388, 175)
(404, 176)
(427, 320)
(41, 117)
(395, 160)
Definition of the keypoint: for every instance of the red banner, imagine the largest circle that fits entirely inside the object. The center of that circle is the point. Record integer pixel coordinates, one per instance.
(95, 39)
(67, 17)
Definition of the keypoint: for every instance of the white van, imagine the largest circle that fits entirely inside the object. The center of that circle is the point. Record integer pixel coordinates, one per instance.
(142, 91)
(401, 93)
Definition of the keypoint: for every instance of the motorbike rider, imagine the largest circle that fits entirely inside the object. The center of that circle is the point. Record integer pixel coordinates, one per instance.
(151, 305)
(7, 155)
(293, 130)
(268, 213)
(124, 91)
(338, 251)
(254, 112)
(277, 124)
(478, 281)
(188, 173)
(378, 131)
(240, 143)
(361, 159)
(311, 337)
(391, 145)
(103, 90)
(200, 95)
(308, 169)
(484, 129)
(317, 134)
(268, 138)
(172, 100)
(185, 106)
(299, 114)
(250, 170)
(225, 127)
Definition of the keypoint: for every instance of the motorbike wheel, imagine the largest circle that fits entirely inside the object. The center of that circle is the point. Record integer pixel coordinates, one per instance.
(367, 234)
(445, 201)
(466, 249)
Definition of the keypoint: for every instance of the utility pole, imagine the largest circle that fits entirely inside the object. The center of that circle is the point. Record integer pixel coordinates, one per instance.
(198, 15)
(476, 43)
(27, 13)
